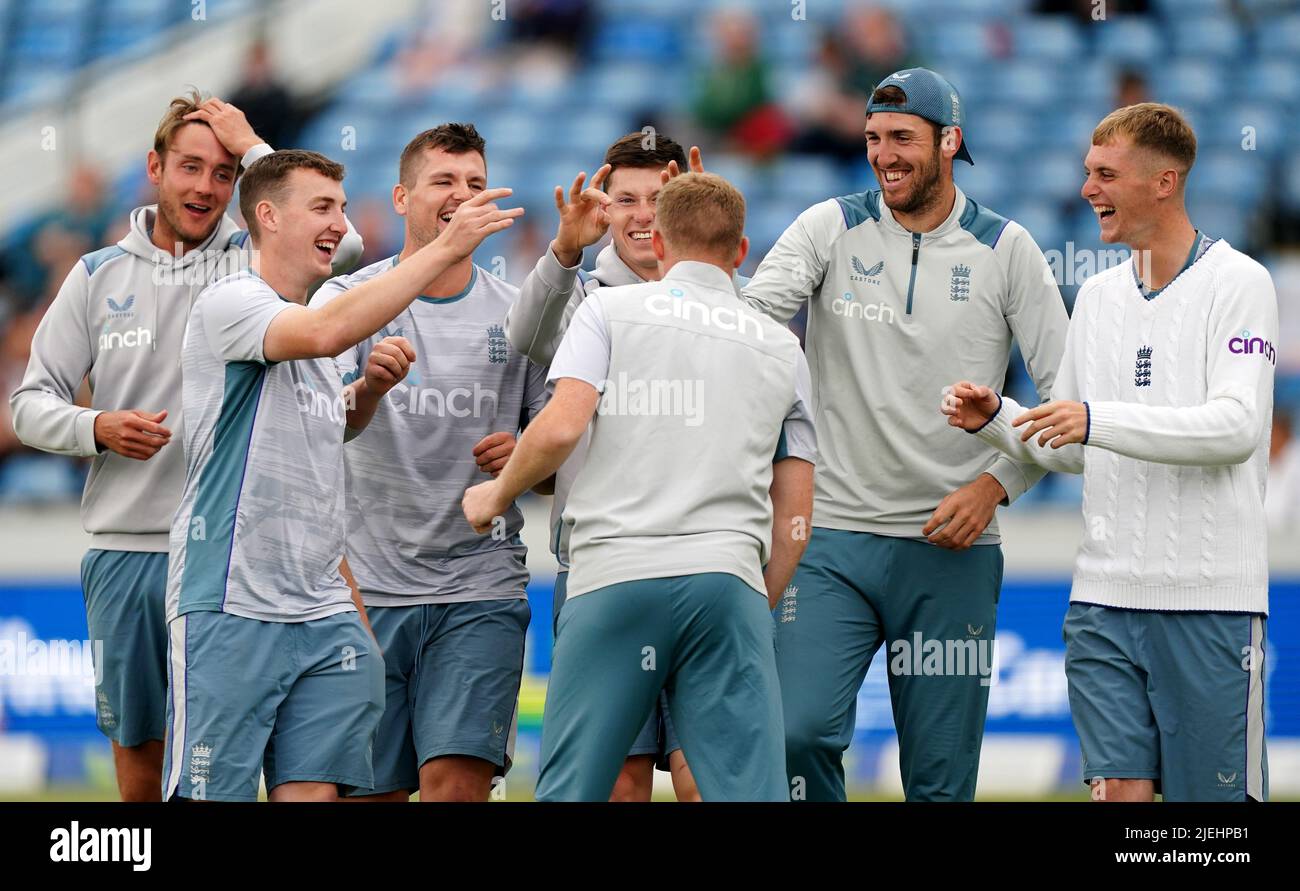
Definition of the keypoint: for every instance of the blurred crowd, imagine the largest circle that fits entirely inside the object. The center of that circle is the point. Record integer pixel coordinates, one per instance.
(733, 107)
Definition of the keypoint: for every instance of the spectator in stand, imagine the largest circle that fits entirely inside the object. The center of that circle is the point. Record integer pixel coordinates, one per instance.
(44, 246)
(734, 101)
(1132, 88)
(877, 47)
(1282, 495)
(266, 103)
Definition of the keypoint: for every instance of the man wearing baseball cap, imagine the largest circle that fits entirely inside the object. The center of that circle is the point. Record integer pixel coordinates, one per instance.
(907, 285)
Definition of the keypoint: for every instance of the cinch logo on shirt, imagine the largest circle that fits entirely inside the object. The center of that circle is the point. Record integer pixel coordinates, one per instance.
(112, 340)
(1247, 345)
(458, 402)
(725, 317)
(850, 308)
(331, 406)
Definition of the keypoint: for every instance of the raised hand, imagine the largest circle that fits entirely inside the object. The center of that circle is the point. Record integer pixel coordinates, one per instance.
(969, 406)
(132, 433)
(475, 220)
(696, 162)
(228, 124)
(584, 217)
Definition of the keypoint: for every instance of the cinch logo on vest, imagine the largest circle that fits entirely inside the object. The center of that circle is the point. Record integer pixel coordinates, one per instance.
(112, 340)
(849, 308)
(1247, 345)
(313, 402)
(725, 317)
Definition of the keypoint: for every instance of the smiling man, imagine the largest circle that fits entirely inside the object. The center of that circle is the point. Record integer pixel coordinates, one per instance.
(119, 319)
(271, 667)
(448, 607)
(1167, 382)
(904, 285)
(620, 200)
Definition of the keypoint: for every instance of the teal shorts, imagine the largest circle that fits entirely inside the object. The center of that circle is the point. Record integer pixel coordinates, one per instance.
(126, 615)
(298, 701)
(452, 673)
(705, 640)
(657, 736)
(932, 614)
(1174, 697)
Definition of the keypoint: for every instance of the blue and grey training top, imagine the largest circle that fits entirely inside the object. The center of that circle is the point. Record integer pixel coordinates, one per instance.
(408, 542)
(893, 318)
(260, 528)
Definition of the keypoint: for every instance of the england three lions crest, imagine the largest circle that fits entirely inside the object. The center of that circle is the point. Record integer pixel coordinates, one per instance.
(959, 287)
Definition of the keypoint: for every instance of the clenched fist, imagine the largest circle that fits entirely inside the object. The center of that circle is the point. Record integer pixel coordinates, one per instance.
(389, 362)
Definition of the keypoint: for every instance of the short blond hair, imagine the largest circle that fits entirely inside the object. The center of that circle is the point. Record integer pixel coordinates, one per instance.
(1152, 126)
(701, 213)
(174, 119)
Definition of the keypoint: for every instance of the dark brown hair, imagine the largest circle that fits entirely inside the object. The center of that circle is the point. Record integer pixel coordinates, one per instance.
(454, 139)
(265, 180)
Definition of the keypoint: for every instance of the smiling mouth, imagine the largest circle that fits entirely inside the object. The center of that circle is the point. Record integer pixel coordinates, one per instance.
(895, 176)
(446, 217)
(639, 236)
(326, 247)
(1104, 211)
(197, 209)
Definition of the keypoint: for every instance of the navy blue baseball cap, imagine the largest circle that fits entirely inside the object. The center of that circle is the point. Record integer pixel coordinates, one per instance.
(929, 96)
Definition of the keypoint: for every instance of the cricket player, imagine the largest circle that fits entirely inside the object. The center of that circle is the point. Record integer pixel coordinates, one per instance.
(1163, 402)
(271, 665)
(687, 519)
(119, 318)
(620, 201)
(448, 606)
(904, 285)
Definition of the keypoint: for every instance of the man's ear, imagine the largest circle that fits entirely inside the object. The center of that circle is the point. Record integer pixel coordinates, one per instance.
(657, 244)
(267, 216)
(742, 252)
(950, 140)
(399, 200)
(1167, 182)
(154, 167)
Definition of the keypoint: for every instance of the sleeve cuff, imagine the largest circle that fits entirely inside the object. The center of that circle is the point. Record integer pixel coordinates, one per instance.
(85, 427)
(261, 150)
(554, 274)
(997, 411)
(1011, 477)
(1102, 431)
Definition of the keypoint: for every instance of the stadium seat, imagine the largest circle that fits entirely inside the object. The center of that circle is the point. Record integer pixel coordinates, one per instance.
(1207, 37)
(1042, 220)
(990, 180)
(1188, 82)
(800, 181)
(963, 41)
(1279, 37)
(1275, 80)
(1128, 39)
(1054, 38)
(1027, 84)
(1230, 178)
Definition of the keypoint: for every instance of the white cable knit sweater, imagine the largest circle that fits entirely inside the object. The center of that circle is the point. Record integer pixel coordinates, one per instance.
(1179, 389)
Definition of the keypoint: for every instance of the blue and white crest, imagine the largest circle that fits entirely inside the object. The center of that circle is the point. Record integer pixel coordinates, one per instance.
(959, 287)
(1142, 371)
(498, 346)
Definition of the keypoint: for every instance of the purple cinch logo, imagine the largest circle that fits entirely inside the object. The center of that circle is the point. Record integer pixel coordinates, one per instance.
(1244, 344)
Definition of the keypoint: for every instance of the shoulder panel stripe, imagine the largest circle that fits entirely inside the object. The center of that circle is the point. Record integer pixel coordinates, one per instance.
(98, 258)
(857, 209)
(983, 223)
